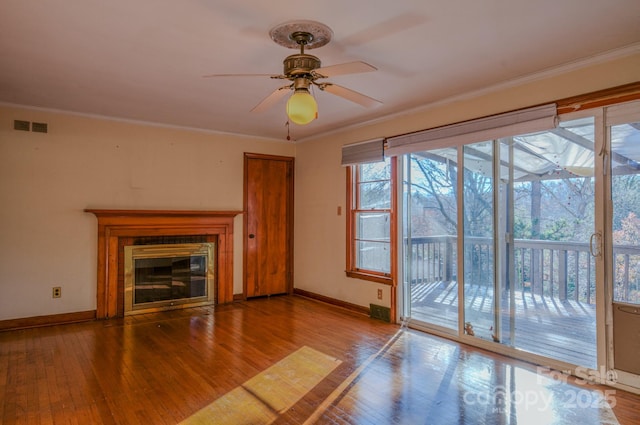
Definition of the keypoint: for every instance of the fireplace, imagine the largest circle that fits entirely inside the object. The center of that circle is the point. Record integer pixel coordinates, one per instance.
(168, 276)
(210, 231)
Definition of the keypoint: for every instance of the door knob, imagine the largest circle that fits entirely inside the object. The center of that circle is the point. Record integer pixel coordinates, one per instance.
(594, 248)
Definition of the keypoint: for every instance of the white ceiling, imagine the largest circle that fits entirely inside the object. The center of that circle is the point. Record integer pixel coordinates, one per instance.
(144, 60)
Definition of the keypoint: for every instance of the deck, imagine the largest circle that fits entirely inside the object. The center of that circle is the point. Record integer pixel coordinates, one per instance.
(544, 325)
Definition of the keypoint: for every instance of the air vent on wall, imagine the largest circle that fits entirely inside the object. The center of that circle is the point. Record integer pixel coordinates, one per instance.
(380, 312)
(21, 125)
(37, 127)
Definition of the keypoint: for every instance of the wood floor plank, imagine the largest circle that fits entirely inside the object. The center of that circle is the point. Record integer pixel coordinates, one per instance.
(162, 368)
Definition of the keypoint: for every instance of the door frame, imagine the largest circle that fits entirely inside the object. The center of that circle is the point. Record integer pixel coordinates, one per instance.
(626, 380)
(290, 216)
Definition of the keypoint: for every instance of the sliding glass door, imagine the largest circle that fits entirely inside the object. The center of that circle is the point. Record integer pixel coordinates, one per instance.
(519, 214)
(430, 237)
(554, 280)
(481, 288)
(623, 245)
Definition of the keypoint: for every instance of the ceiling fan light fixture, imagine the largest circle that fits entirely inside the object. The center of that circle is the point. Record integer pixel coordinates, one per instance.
(304, 70)
(302, 107)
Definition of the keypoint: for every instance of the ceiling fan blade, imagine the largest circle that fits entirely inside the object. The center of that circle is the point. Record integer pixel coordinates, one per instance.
(268, 101)
(345, 68)
(243, 75)
(349, 94)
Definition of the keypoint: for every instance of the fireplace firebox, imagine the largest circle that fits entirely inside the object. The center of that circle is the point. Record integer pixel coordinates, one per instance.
(168, 276)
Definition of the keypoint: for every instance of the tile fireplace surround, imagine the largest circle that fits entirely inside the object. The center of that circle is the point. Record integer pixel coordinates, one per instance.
(115, 227)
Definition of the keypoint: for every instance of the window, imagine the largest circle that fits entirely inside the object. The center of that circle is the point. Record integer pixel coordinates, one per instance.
(371, 220)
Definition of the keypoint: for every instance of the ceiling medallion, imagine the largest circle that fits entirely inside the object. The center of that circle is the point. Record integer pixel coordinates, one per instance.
(288, 34)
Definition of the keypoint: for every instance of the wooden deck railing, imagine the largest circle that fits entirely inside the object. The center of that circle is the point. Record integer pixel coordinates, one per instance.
(565, 270)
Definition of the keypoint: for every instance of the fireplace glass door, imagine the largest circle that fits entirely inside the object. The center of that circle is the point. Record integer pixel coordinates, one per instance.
(159, 277)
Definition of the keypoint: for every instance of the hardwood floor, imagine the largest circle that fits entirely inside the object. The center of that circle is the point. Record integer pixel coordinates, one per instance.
(284, 360)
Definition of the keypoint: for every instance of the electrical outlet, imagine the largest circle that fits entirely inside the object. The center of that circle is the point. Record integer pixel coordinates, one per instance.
(57, 292)
(379, 294)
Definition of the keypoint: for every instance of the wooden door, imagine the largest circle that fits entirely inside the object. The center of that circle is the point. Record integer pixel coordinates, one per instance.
(268, 225)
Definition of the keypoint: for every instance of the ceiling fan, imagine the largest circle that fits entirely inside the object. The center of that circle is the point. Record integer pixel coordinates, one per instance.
(304, 71)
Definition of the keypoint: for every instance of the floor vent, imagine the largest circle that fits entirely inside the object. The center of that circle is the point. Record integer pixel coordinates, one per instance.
(380, 312)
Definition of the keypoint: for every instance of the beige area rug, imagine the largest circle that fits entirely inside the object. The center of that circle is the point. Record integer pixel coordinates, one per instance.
(262, 398)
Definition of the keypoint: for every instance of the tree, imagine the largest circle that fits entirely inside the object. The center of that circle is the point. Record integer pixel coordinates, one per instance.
(627, 267)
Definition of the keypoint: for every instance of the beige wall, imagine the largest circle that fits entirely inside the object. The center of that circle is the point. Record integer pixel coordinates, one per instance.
(320, 180)
(47, 180)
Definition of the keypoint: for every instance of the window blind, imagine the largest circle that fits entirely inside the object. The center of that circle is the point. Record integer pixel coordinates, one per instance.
(524, 121)
(363, 152)
(623, 113)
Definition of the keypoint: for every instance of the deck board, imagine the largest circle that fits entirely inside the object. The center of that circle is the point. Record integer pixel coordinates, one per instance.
(547, 326)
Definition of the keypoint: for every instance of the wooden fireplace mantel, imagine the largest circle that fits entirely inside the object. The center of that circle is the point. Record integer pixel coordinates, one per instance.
(116, 224)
